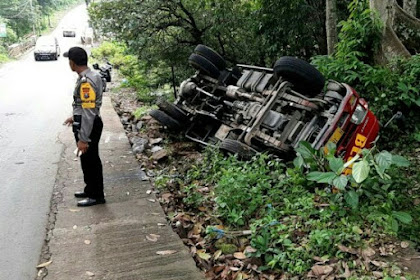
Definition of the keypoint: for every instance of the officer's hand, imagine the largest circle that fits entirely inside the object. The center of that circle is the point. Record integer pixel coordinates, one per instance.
(68, 121)
(82, 146)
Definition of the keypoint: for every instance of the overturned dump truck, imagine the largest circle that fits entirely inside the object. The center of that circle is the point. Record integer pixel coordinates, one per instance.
(248, 109)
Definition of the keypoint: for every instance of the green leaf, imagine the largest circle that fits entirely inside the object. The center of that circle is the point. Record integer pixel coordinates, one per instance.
(403, 217)
(400, 161)
(384, 160)
(352, 198)
(298, 161)
(394, 225)
(305, 150)
(357, 230)
(340, 182)
(336, 164)
(321, 177)
(331, 148)
(360, 171)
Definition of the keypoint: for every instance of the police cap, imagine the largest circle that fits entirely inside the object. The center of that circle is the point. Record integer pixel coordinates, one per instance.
(77, 55)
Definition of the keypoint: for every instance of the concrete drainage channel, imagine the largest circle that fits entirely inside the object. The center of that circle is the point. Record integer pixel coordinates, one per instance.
(56, 198)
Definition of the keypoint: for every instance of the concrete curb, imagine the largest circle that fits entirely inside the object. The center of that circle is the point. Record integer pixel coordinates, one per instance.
(109, 241)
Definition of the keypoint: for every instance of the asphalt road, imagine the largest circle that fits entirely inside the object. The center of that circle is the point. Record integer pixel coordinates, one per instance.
(35, 99)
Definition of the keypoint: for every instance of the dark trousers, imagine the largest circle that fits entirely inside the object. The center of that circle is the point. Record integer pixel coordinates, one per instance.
(91, 163)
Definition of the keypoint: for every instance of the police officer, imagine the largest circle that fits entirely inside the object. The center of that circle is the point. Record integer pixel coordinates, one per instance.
(87, 126)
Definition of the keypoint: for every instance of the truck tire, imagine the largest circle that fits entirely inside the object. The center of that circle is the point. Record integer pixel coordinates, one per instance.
(203, 65)
(211, 55)
(165, 120)
(235, 147)
(305, 78)
(172, 110)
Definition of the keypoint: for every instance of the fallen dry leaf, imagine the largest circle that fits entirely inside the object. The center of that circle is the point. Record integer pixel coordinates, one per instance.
(382, 251)
(166, 252)
(166, 196)
(239, 255)
(347, 272)
(378, 274)
(152, 237)
(404, 244)
(368, 252)
(233, 268)
(90, 274)
(203, 255)
(239, 276)
(149, 191)
(217, 254)
(345, 249)
(44, 264)
(197, 229)
(249, 249)
(319, 270)
(379, 264)
(87, 242)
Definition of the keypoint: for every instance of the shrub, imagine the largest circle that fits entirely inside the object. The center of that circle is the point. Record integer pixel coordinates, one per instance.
(147, 82)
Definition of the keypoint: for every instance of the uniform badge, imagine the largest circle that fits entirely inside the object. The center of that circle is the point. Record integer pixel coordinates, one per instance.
(86, 92)
(87, 96)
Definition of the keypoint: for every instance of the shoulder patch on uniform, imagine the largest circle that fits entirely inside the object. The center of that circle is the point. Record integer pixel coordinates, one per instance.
(87, 95)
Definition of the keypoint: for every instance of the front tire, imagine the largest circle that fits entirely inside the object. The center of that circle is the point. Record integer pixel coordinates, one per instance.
(165, 120)
(238, 148)
(172, 110)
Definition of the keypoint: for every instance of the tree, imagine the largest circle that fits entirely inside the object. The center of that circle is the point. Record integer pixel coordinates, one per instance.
(391, 15)
(410, 6)
(331, 25)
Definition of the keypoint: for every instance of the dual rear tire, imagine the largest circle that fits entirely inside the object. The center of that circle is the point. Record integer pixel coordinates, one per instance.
(170, 115)
(207, 61)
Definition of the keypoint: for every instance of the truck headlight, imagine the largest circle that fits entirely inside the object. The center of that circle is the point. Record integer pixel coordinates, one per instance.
(358, 115)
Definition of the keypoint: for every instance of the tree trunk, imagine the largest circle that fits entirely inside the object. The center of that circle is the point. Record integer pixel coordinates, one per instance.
(407, 28)
(410, 6)
(391, 46)
(405, 17)
(331, 25)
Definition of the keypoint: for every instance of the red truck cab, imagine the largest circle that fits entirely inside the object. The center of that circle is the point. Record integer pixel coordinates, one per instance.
(356, 127)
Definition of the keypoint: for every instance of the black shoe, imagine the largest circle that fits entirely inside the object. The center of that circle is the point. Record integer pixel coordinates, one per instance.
(80, 195)
(90, 202)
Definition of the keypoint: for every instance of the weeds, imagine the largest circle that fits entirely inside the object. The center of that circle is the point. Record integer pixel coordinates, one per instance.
(307, 210)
